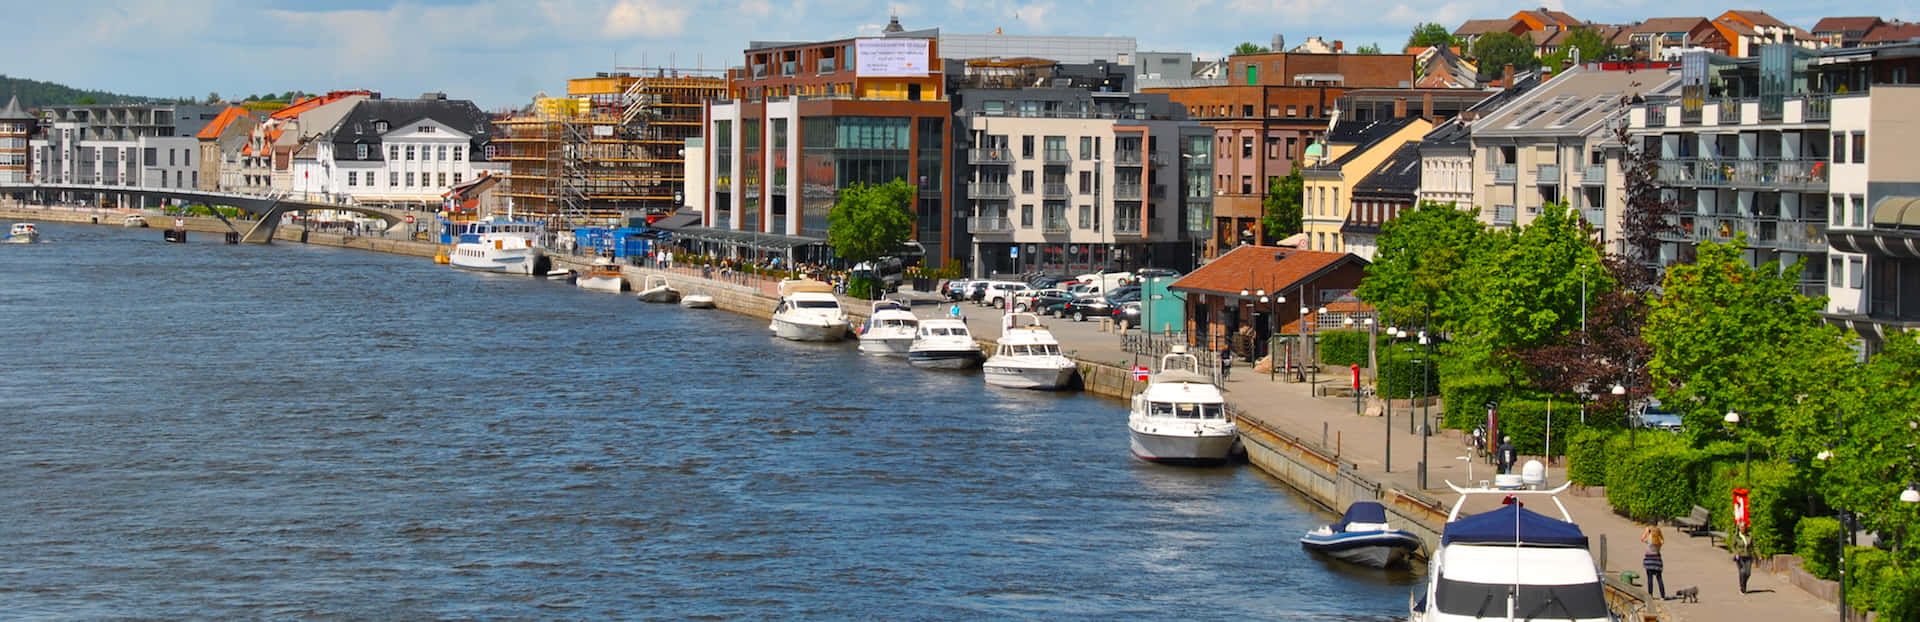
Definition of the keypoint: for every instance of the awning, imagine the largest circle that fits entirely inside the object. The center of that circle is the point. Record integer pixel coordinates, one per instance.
(677, 221)
(745, 239)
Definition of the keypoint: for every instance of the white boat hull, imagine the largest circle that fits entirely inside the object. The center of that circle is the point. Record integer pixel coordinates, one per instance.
(945, 359)
(611, 284)
(697, 301)
(886, 346)
(1181, 443)
(23, 239)
(796, 331)
(661, 294)
(1027, 377)
(510, 262)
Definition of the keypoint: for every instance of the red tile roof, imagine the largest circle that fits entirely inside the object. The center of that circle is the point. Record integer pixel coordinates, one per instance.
(294, 109)
(1891, 32)
(1484, 26)
(1273, 268)
(1757, 19)
(1664, 25)
(220, 123)
(1846, 24)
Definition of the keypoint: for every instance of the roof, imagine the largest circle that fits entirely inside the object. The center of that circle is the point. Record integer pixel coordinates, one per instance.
(219, 123)
(1512, 524)
(1662, 25)
(293, 110)
(1484, 26)
(1271, 267)
(360, 125)
(1891, 32)
(1363, 135)
(13, 111)
(1571, 104)
(1846, 24)
(1758, 18)
(1728, 25)
(1451, 134)
(1398, 174)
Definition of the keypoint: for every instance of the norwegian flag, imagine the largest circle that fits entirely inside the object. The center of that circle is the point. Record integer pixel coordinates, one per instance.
(1140, 373)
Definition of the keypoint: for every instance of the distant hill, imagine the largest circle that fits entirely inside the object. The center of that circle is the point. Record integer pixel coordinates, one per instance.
(35, 93)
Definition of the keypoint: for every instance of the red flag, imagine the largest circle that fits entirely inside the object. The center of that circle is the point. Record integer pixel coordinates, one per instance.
(1140, 373)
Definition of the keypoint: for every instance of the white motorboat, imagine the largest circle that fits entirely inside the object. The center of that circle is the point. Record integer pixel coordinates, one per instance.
(602, 276)
(944, 343)
(697, 301)
(1363, 537)
(1511, 563)
(500, 246)
(134, 221)
(1027, 356)
(23, 233)
(889, 330)
(657, 290)
(808, 311)
(1180, 417)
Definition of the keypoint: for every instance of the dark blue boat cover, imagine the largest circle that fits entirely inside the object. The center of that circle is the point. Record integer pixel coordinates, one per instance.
(1361, 512)
(1513, 523)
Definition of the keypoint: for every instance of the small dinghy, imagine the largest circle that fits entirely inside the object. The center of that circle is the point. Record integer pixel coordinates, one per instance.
(696, 301)
(1362, 537)
(656, 290)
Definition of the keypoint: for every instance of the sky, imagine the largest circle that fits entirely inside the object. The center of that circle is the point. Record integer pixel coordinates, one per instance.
(501, 53)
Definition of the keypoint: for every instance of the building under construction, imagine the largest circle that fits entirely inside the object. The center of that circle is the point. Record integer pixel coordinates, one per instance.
(608, 151)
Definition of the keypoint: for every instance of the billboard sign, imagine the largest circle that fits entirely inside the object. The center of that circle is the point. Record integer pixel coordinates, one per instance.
(891, 57)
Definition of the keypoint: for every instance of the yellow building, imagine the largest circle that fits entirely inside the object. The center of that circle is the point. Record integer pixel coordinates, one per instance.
(1350, 150)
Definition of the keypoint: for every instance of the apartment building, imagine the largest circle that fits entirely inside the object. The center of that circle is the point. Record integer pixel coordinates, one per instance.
(1446, 164)
(1557, 143)
(804, 120)
(1386, 191)
(1069, 180)
(16, 128)
(134, 145)
(1873, 273)
(396, 152)
(1349, 152)
(220, 143)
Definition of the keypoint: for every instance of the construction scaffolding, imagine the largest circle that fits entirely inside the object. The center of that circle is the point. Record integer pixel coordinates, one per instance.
(610, 150)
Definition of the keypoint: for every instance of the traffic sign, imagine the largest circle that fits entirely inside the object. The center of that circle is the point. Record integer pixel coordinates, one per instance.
(409, 218)
(179, 223)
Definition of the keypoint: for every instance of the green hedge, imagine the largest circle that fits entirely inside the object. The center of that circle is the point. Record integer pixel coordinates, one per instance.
(1342, 348)
(1656, 481)
(1588, 453)
(1876, 582)
(1401, 377)
(1817, 542)
(1526, 421)
(1776, 498)
(1467, 396)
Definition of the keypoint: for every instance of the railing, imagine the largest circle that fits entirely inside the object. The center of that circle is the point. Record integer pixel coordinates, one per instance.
(1126, 192)
(1056, 190)
(1503, 215)
(1506, 173)
(991, 155)
(1766, 173)
(1729, 112)
(1594, 175)
(1057, 156)
(1804, 237)
(989, 190)
(1816, 107)
(1126, 158)
(1656, 115)
(1547, 174)
(989, 224)
(1597, 216)
(1054, 225)
(1126, 226)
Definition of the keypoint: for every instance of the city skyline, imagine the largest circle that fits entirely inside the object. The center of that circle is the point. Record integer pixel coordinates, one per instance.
(500, 53)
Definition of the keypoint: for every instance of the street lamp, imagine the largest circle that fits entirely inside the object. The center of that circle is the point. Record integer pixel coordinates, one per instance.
(1632, 425)
(1248, 295)
(1733, 419)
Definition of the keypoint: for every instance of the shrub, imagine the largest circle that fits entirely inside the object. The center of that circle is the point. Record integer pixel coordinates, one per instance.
(1343, 348)
(863, 287)
(1776, 498)
(1401, 377)
(1817, 541)
(1526, 421)
(1655, 481)
(1588, 452)
(1866, 573)
(1467, 396)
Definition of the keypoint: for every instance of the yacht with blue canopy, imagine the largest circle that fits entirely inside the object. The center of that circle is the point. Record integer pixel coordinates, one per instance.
(1510, 562)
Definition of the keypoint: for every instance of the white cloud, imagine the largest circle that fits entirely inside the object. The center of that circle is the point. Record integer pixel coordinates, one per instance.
(1034, 16)
(644, 18)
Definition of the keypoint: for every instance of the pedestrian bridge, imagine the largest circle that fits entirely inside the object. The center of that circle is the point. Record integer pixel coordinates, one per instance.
(267, 208)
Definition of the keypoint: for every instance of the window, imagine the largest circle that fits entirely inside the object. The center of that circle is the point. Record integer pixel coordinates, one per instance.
(369, 179)
(1246, 184)
(1839, 216)
(1086, 182)
(456, 178)
(424, 129)
(1839, 147)
(352, 177)
(1026, 182)
(409, 155)
(360, 151)
(409, 180)
(1292, 141)
(459, 153)
(1026, 147)
(1086, 147)
(1835, 278)
(1859, 211)
(1246, 148)
(440, 153)
(442, 177)
(171, 157)
(380, 127)
(393, 179)
(1086, 217)
(1857, 272)
(1026, 216)
(1246, 110)
(393, 152)
(1293, 111)
(1859, 148)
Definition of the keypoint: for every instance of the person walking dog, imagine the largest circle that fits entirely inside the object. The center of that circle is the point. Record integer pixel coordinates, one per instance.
(1652, 562)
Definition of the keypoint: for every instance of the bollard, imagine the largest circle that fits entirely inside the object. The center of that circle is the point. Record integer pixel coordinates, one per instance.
(1603, 553)
(1336, 445)
(1323, 434)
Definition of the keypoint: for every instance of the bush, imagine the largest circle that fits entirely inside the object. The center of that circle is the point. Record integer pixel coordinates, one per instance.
(863, 287)
(1467, 396)
(1776, 498)
(1526, 421)
(1343, 348)
(1654, 482)
(1588, 452)
(1874, 582)
(1401, 377)
(1817, 541)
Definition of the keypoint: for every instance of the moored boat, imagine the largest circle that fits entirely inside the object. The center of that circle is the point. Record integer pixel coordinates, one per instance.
(889, 330)
(1027, 356)
(657, 290)
(134, 221)
(499, 246)
(1180, 417)
(1511, 563)
(808, 311)
(1362, 536)
(602, 276)
(944, 343)
(697, 301)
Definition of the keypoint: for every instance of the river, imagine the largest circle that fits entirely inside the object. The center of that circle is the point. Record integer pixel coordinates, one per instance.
(289, 431)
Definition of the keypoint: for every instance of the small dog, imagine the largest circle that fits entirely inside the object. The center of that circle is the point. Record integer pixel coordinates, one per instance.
(1688, 595)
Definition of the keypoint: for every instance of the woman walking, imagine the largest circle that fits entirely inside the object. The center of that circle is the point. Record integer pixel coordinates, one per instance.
(1652, 562)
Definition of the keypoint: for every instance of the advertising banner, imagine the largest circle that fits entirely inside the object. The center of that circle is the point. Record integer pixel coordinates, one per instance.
(891, 57)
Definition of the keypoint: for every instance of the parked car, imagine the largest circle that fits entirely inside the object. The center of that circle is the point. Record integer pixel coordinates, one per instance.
(1143, 273)
(1129, 293)
(1040, 299)
(998, 293)
(1087, 306)
(975, 289)
(1127, 314)
(1654, 417)
(954, 289)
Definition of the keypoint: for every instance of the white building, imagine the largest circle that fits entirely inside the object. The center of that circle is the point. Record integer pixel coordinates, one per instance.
(132, 145)
(397, 152)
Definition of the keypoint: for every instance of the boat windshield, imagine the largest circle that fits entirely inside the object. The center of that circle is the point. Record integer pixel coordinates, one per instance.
(898, 323)
(1534, 602)
(1186, 411)
(1046, 349)
(816, 304)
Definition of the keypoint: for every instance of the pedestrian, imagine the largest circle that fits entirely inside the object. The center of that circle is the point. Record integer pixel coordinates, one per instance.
(1479, 438)
(1226, 362)
(1507, 455)
(1652, 562)
(1742, 547)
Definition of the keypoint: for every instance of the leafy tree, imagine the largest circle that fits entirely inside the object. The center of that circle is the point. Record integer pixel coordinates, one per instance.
(1249, 47)
(87, 100)
(1588, 42)
(871, 221)
(1876, 453)
(1371, 48)
(1429, 34)
(1421, 253)
(1526, 291)
(213, 97)
(1495, 51)
(1648, 212)
(1727, 336)
(1282, 216)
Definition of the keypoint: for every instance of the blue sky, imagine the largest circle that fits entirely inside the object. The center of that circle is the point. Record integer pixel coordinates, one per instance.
(499, 53)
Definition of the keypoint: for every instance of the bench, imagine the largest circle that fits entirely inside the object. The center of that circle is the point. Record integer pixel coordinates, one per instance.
(1694, 524)
(1715, 537)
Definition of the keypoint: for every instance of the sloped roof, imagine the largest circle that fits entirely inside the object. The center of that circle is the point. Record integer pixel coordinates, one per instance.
(1662, 25)
(358, 126)
(1363, 135)
(1270, 267)
(1730, 27)
(1483, 26)
(1891, 32)
(1543, 38)
(1846, 24)
(1758, 18)
(295, 109)
(1398, 174)
(1551, 17)
(13, 111)
(1453, 134)
(1571, 104)
(220, 123)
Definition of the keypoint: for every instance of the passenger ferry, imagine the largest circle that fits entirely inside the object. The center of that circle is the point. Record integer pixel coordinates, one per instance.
(511, 247)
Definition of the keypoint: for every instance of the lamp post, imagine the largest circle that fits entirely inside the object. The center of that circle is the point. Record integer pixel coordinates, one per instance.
(1249, 295)
(1426, 410)
(1733, 419)
(1313, 353)
(1631, 424)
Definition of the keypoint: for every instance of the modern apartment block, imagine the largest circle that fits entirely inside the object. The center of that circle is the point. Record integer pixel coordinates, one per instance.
(1876, 237)
(1077, 178)
(134, 145)
(396, 152)
(804, 120)
(16, 128)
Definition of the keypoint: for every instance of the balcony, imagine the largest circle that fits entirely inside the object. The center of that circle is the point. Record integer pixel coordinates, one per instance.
(1506, 174)
(1803, 237)
(1126, 158)
(1817, 107)
(991, 155)
(1765, 174)
(1547, 175)
(1594, 175)
(1729, 111)
(1656, 115)
(1596, 216)
(1054, 225)
(1126, 226)
(1503, 215)
(1053, 190)
(1057, 156)
(984, 225)
(1126, 192)
(989, 190)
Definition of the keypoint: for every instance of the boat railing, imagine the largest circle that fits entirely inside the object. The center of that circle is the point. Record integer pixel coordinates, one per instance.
(1017, 320)
(1550, 493)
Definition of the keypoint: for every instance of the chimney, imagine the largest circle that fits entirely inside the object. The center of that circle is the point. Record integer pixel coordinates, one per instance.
(1399, 107)
(1506, 80)
(1338, 46)
(1426, 106)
